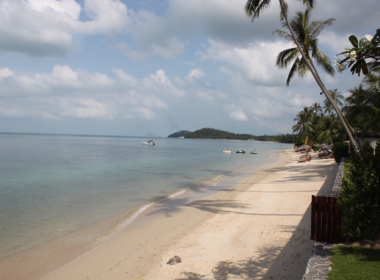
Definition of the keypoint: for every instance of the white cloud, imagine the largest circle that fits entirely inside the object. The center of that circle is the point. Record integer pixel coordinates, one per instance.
(209, 94)
(46, 27)
(6, 73)
(236, 112)
(196, 74)
(255, 62)
(160, 82)
(68, 93)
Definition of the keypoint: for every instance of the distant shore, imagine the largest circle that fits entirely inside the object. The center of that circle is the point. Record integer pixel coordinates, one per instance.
(252, 228)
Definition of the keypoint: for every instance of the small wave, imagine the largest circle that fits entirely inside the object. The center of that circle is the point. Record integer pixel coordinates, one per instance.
(176, 194)
(217, 177)
(130, 219)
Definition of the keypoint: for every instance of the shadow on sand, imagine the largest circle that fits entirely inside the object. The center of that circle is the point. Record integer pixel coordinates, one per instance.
(270, 262)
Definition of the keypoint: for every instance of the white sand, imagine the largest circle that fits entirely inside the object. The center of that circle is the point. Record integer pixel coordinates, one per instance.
(257, 229)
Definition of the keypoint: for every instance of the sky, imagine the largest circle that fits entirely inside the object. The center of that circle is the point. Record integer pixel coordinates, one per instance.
(154, 67)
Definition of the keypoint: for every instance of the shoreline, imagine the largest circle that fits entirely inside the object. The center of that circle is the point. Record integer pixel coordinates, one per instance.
(249, 230)
(155, 230)
(116, 225)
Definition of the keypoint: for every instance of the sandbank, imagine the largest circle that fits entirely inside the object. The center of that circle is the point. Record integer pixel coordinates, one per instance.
(258, 228)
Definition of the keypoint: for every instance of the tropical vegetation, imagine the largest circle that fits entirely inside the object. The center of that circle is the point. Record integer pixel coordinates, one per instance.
(211, 133)
(307, 36)
(254, 8)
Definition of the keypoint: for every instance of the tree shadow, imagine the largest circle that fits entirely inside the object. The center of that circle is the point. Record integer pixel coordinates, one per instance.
(288, 262)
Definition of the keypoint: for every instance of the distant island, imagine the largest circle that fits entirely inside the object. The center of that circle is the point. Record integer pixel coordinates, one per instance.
(211, 133)
(181, 133)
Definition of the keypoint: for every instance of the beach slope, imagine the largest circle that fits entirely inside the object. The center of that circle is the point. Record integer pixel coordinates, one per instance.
(256, 229)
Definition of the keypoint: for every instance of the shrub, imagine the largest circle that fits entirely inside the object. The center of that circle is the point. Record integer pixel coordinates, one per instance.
(340, 150)
(360, 198)
(299, 142)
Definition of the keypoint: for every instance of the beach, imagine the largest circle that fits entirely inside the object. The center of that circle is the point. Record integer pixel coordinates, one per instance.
(258, 228)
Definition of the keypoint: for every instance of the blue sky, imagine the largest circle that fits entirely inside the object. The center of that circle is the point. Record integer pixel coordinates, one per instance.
(150, 68)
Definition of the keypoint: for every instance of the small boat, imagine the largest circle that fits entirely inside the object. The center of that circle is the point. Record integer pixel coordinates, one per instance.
(148, 143)
(226, 151)
(240, 152)
(253, 152)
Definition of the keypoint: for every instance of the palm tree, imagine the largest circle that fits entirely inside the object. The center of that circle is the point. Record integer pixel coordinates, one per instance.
(303, 119)
(307, 33)
(363, 109)
(337, 97)
(253, 9)
(327, 127)
(316, 109)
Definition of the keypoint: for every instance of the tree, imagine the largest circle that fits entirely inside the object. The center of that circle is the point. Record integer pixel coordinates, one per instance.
(363, 107)
(303, 119)
(367, 48)
(327, 128)
(316, 109)
(254, 8)
(337, 97)
(307, 33)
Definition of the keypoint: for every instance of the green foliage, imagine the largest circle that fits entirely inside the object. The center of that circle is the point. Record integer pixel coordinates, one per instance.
(299, 142)
(306, 33)
(346, 169)
(315, 148)
(367, 148)
(360, 198)
(354, 263)
(282, 138)
(356, 56)
(340, 150)
(211, 133)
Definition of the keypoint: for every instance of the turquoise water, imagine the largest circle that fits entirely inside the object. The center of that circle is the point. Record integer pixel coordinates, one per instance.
(54, 185)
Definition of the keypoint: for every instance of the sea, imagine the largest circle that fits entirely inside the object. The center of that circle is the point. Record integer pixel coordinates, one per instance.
(80, 190)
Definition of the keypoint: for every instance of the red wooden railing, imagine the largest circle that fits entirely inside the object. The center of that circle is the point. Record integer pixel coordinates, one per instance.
(325, 219)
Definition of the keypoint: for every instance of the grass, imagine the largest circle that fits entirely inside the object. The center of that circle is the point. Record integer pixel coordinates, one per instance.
(355, 263)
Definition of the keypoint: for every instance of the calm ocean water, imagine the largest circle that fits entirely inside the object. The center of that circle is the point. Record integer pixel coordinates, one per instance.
(54, 185)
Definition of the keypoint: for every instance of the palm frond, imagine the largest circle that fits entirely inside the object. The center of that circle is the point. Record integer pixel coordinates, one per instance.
(253, 8)
(318, 26)
(293, 70)
(288, 37)
(325, 62)
(309, 3)
(285, 57)
(303, 69)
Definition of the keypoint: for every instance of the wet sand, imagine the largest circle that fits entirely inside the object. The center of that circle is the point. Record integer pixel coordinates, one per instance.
(257, 228)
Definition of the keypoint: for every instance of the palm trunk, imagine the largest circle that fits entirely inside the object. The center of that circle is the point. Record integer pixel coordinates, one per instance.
(344, 118)
(319, 81)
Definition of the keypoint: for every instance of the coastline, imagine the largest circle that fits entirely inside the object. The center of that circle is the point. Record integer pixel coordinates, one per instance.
(45, 258)
(167, 227)
(132, 253)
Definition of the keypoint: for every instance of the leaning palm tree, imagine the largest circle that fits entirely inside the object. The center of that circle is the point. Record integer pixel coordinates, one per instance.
(253, 9)
(307, 33)
(337, 97)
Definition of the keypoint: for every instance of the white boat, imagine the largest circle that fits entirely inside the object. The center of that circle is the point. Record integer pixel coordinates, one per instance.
(226, 151)
(182, 137)
(253, 152)
(149, 143)
(240, 152)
